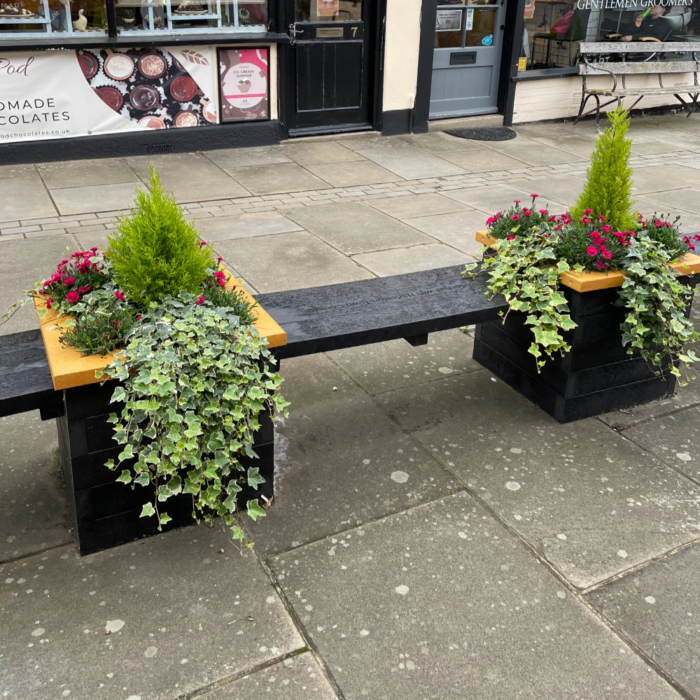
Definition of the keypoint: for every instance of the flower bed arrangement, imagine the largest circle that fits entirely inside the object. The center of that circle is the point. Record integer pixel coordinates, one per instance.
(601, 244)
(190, 352)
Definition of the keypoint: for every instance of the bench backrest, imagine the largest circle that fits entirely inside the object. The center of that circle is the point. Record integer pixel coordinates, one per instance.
(640, 68)
(651, 66)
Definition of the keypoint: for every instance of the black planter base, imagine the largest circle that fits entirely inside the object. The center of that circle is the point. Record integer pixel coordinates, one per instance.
(596, 377)
(106, 512)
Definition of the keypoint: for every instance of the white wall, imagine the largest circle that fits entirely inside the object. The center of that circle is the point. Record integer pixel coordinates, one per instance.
(401, 53)
(557, 98)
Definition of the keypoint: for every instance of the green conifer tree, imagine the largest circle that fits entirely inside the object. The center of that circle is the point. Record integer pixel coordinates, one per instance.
(609, 178)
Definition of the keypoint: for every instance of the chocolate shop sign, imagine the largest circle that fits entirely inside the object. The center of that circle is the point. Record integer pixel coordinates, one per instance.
(62, 94)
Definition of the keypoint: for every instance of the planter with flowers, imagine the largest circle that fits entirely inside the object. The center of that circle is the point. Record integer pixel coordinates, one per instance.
(167, 371)
(599, 297)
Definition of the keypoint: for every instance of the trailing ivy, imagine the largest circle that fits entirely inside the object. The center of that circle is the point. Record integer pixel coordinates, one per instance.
(195, 380)
(525, 270)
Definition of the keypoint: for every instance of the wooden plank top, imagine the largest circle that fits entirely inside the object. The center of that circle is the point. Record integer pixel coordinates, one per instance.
(346, 315)
(639, 47)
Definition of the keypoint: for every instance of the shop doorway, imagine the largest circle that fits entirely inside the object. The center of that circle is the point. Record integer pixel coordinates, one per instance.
(467, 58)
(331, 66)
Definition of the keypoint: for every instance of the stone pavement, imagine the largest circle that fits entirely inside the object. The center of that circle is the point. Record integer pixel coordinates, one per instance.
(433, 535)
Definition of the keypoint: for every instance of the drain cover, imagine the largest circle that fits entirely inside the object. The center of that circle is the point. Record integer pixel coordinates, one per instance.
(498, 133)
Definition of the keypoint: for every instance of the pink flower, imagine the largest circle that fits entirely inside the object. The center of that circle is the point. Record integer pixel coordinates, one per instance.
(588, 211)
(202, 243)
(85, 289)
(534, 196)
(553, 217)
(601, 265)
(219, 259)
(73, 297)
(94, 250)
(606, 254)
(602, 218)
(669, 224)
(116, 323)
(56, 277)
(592, 251)
(643, 224)
(543, 211)
(69, 281)
(200, 300)
(47, 283)
(584, 220)
(515, 217)
(605, 228)
(48, 302)
(119, 295)
(517, 201)
(221, 282)
(138, 318)
(511, 237)
(659, 224)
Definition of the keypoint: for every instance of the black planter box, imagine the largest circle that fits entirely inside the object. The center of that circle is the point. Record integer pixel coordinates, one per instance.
(106, 512)
(595, 377)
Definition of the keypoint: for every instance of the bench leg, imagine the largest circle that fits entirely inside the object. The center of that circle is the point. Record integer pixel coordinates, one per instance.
(691, 107)
(584, 100)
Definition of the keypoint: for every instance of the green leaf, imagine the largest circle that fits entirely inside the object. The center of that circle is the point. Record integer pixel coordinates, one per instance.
(147, 510)
(254, 478)
(125, 477)
(254, 510)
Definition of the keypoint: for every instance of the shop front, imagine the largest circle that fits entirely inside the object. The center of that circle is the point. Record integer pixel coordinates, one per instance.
(92, 78)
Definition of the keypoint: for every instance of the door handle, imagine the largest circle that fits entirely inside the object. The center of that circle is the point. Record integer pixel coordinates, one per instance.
(293, 31)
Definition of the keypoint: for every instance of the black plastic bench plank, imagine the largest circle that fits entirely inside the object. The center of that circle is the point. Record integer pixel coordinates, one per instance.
(319, 319)
(25, 379)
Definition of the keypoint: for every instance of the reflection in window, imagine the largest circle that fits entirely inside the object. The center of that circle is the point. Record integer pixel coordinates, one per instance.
(328, 10)
(20, 18)
(554, 29)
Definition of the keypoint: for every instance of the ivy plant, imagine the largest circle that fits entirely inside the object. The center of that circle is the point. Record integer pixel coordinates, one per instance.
(525, 270)
(194, 381)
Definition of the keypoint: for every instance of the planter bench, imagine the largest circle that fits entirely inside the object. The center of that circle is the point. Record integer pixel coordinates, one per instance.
(596, 377)
(594, 62)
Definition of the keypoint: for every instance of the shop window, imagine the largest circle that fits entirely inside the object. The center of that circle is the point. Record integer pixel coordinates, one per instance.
(28, 18)
(462, 23)
(328, 10)
(554, 29)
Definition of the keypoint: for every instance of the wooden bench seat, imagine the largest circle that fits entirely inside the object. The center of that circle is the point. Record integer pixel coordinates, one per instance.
(593, 57)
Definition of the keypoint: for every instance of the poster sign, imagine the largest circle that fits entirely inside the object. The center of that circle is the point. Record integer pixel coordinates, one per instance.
(529, 11)
(470, 20)
(244, 84)
(327, 8)
(448, 20)
(66, 94)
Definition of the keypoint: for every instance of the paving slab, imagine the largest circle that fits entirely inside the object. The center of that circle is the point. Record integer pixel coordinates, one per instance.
(439, 142)
(247, 225)
(440, 600)
(319, 152)
(677, 200)
(419, 257)
(24, 196)
(94, 198)
(588, 500)
(191, 177)
(658, 178)
(457, 230)
(182, 615)
(90, 239)
(396, 364)
(356, 228)
(564, 190)
(22, 263)
(372, 142)
(411, 163)
(575, 144)
(353, 174)
(483, 160)
(532, 152)
(658, 608)
(652, 148)
(277, 179)
(96, 171)
(12, 171)
(674, 438)
(340, 461)
(489, 198)
(34, 515)
(242, 157)
(296, 678)
(414, 205)
(289, 261)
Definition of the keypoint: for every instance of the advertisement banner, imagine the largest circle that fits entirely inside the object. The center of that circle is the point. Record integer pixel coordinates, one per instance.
(244, 84)
(65, 94)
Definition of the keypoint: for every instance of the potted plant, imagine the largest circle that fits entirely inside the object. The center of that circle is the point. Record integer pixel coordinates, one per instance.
(168, 380)
(599, 298)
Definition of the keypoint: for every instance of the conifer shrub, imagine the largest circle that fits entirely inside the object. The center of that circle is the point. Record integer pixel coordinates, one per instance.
(609, 178)
(155, 252)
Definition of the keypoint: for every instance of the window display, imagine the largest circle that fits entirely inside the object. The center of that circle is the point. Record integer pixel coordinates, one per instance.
(29, 18)
(554, 29)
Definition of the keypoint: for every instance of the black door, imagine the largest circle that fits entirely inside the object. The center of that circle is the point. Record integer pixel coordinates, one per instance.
(331, 63)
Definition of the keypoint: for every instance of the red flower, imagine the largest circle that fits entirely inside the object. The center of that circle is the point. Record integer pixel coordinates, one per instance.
(511, 237)
(73, 297)
(605, 228)
(69, 281)
(601, 265)
(588, 211)
(119, 295)
(221, 282)
(592, 251)
(517, 201)
(94, 249)
(200, 300)
(534, 196)
(606, 254)
(202, 243)
(515, 217)
(85, 289)
(116, 323)
(659, 224)
(48, 303)
(138, 318)
(543, 211)
(219, 259)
